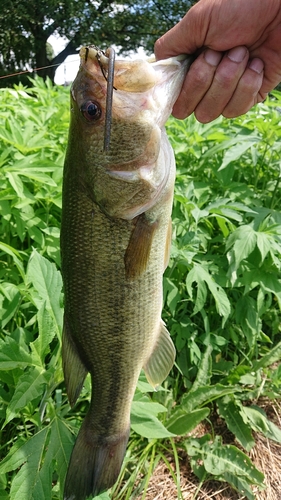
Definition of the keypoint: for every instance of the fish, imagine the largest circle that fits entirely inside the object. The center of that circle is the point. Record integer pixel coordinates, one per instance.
(115, 240)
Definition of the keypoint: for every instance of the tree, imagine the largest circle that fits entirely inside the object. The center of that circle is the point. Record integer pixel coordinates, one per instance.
(25, 26)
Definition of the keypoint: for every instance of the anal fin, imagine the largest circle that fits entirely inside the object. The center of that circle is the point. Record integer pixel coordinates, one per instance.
(73, 368)
(161, 361)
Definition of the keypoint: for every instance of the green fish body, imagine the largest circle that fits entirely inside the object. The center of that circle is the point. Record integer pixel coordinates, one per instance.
(115, 239)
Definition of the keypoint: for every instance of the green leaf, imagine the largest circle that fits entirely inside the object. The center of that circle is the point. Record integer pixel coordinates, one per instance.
(15, 256)
(235, 152)
(172, 293)
(264, 243)
(47, 281)
(144, 421)
(181, 422)
(3, 484)
(268, 359)
(16, 183)
(247, 315)
(143, 408)
(29, 387)
(204, 395)
(204, 373)
(219, 459)
(13, 355)
(4, 495)
(149, 427)
(28, 483)
(242, 242)
(225, 458)
(200, 276)
(260, 422)
(225, 463)
(35, 459)
(230, 411)
(59, 449)
(270, 283)
(24, 451)
(243, 487)
(103, 496)
(47, 329)
(11, 302)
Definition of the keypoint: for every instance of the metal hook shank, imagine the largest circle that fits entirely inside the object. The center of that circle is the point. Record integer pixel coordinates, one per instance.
(109, 98)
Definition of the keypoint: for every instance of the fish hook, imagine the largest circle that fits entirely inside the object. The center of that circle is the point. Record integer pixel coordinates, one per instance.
(109, 97)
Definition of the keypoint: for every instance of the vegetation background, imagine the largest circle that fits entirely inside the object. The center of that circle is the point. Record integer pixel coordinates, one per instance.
(222, 306)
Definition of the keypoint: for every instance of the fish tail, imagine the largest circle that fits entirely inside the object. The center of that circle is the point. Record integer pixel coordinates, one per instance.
(95, 463)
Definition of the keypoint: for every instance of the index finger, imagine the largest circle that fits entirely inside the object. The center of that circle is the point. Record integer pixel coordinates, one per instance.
(173, 43)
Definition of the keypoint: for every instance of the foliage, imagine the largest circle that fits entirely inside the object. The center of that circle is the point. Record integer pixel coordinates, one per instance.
(223, 282)
(222, 301)
(25, 27)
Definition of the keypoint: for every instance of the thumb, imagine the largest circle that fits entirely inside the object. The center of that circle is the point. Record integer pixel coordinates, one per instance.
(185, 37)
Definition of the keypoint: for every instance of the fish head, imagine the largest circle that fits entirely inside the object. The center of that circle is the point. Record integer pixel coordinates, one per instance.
(127, 177)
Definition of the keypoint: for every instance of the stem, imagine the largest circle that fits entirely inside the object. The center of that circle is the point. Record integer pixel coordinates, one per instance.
(274, 193)
(149, 472)
(176, 457)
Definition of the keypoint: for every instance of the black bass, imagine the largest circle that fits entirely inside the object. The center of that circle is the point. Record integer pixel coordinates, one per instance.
(115, 239)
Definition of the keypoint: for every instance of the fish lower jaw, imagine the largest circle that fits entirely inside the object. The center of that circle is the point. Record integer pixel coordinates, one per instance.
(144, 173)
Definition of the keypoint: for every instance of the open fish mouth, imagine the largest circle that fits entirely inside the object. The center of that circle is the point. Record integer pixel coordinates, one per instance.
(129, 74)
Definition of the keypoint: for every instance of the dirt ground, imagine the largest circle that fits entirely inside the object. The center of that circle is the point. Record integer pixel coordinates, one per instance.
(266, 455)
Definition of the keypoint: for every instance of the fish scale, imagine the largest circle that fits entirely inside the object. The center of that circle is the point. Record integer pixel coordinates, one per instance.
(115, 237)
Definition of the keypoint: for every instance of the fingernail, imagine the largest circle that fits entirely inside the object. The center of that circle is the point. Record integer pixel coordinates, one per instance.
(256, 65)
(237, 54)
(212, 57)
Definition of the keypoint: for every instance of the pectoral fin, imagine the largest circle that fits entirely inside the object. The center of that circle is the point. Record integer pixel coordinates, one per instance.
(139, 246)
(162, 358)
(168, 244)
(73, 368)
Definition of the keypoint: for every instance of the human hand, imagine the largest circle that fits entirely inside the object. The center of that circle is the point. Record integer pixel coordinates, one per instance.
(240, 61)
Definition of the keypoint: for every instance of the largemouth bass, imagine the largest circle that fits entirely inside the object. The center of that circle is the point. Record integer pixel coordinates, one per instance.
(115, 239)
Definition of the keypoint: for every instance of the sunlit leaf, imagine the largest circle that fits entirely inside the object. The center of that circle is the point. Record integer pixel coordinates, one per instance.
(47, 281)
(234, 420)
(201, 277)
(29, 387)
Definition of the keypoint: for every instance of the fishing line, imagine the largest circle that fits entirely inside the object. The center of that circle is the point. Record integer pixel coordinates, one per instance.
(109, 97)
(34, 69)
(109, 91)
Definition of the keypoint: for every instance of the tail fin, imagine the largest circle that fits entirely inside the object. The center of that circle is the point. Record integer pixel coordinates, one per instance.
(95, 464)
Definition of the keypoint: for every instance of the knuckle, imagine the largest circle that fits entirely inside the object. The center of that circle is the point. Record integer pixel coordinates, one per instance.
(251, 82)
(201, 76)
(225, 79)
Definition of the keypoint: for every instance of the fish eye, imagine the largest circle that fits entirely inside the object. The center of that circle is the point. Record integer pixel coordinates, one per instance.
(91, 110)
